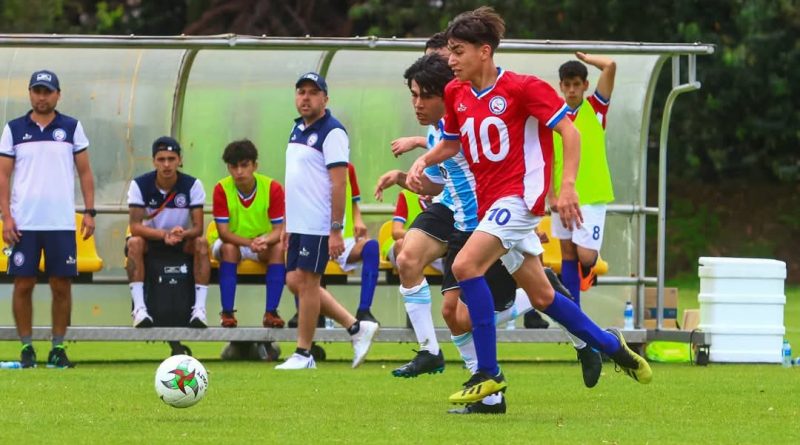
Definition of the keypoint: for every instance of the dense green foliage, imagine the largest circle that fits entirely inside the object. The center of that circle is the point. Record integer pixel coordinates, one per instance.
(749, 83)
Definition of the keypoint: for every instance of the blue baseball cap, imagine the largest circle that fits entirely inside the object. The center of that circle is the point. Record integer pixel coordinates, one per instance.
(313, 77)
(166, 143)
(45, 78)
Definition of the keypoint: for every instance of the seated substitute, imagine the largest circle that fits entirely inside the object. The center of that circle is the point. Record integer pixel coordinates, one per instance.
(249, 212)
(166, 205)
(409, 205)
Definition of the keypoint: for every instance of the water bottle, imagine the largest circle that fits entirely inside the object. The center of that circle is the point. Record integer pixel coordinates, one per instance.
(628, 316)
(329, 323)
(787, 354)
(10, 365)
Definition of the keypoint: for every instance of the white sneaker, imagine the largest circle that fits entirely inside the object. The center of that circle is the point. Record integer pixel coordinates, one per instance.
(141, 319)
(362, 341)
(297, 361)
(198, 319)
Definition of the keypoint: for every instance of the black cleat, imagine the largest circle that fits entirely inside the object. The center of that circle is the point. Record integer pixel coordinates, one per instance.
(27, 357)
(533, 320)
(58, 358)
(558, 286)
(481, 408)
(591, 365)
(423, 363)
(292, 323)
(366, 315)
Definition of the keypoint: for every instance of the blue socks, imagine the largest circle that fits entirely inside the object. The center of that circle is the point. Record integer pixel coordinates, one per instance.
(276, 279)
(369, 273)
(571, 279)
(481, 311)
(227, 285)
(569, 315)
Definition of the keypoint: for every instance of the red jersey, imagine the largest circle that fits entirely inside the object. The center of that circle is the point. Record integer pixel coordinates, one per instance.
(354, 190)
(506, 136)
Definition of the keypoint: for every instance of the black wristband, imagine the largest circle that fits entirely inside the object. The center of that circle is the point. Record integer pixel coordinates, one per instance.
(90, 212)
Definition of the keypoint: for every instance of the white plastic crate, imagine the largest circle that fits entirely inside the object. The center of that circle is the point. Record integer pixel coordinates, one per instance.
(741, 308)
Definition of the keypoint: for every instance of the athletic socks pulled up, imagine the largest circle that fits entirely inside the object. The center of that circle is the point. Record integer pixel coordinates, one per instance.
(227, 285)
(275, 280)
(570, 316)
(417, 301)
(479, 301)
(370, 260)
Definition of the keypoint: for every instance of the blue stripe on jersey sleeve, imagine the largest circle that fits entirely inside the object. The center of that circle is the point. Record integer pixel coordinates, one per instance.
(399, 219)
(277, 220)
(450, 136)
(336, 164)
(222, 220)
(557, 117)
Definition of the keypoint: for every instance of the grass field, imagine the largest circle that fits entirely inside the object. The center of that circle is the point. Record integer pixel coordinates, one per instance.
(109, 398)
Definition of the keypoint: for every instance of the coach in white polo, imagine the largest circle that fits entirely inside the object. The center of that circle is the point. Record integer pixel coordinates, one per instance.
(43, 149)
(316, 175)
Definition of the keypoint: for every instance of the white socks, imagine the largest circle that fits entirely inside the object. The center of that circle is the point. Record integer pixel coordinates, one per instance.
(137, 294)
(418, 306)
(522, 305)
(200, 292)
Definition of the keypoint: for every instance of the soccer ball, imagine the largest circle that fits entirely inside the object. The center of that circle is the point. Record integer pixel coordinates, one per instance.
(181, 381)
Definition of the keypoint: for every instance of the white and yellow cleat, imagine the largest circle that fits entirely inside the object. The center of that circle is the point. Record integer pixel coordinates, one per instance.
(480, 386)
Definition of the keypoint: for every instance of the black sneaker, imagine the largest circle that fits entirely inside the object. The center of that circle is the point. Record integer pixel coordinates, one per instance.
(58, 358)
(558, 286)
(591, 365)
(481, 408)
(27, 357)
(292, 323)
(533, 320)
(365, 315)
(423, 363)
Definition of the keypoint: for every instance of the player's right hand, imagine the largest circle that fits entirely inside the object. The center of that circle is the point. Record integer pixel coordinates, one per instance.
(403, 145)
(384, 182)
(10, 233)
(335, 244)
(414, 175)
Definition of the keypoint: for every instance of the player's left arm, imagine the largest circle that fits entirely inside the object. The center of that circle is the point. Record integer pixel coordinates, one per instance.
(608, 71)
(567, 204)
(276, 213)
(86, 179)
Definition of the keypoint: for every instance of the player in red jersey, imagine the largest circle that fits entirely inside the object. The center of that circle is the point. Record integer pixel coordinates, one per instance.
(504, 121)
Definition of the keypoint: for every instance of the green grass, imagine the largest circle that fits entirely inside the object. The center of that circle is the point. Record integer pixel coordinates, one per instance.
(109, 398)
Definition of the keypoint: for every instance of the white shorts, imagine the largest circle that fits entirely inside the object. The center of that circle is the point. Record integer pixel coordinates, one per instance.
(590, 235)
(510, 220)
(245, 251)
(349, 243)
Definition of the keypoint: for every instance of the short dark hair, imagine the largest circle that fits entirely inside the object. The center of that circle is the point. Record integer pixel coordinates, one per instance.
(238, 151)
(437, 41)
(571, 69)
(481, 26)
(431, 72)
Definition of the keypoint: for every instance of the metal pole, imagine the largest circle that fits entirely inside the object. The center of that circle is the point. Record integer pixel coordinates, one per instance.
(187, 61)
(677, 90)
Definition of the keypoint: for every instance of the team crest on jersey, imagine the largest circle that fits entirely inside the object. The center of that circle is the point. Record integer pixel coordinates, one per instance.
(19, 259)
(461, 108)
(294, 136)
(312, 139)
(180, 200)
(59, 134)
(497, 105)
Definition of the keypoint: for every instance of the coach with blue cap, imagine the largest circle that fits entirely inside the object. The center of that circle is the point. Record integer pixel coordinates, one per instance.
(43, 149)
(316, 179)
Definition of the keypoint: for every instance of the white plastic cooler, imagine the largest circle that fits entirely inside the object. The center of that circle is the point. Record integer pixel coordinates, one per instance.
(741, 308)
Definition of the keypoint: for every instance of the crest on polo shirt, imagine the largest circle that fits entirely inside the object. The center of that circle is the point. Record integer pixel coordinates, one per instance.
(497, 105)
(312, 139)
(59, 134)
(180, 200)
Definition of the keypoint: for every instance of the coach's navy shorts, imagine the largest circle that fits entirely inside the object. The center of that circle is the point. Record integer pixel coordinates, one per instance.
(307, 252)
(60, 258)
